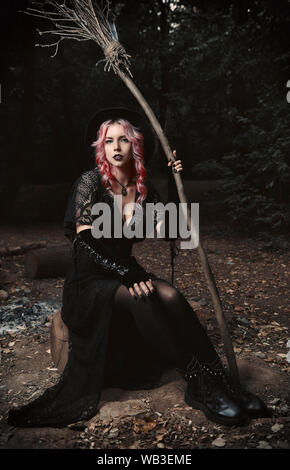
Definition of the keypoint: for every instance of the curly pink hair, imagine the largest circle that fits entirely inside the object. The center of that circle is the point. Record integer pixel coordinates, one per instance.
(134, 136)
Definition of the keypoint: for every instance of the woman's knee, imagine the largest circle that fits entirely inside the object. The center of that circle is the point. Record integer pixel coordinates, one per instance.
(166, 291)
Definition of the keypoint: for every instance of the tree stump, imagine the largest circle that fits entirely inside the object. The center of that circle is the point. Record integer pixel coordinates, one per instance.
(48, 262)
(59, 336)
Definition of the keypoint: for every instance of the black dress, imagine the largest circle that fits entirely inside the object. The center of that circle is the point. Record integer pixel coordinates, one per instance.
(105, 349)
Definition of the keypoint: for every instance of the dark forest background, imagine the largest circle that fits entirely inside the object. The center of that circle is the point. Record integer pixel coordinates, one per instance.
(214, 72)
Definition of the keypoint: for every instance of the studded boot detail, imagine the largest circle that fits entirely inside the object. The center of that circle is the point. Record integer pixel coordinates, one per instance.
(207, 391)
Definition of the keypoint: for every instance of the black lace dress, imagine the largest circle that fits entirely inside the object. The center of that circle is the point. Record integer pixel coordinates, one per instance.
(105, 349)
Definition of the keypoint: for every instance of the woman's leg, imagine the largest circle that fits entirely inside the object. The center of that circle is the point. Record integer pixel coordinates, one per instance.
(185, 322)
(197, 343)
(166, 320)
(150, 322)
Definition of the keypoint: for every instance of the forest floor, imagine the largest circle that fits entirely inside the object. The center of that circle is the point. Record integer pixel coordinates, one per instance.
(254, 289)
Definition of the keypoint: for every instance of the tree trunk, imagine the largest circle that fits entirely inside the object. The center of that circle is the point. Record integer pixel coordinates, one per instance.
(27, 155)
(73, 150)
(20, 250)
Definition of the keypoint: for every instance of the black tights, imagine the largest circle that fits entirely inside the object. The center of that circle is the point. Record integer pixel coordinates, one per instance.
(166, 320)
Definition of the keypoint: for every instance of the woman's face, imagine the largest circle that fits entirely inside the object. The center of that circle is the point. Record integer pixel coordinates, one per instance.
(118, 149)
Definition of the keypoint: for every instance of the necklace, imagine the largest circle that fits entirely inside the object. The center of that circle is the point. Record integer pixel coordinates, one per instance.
(124, 190)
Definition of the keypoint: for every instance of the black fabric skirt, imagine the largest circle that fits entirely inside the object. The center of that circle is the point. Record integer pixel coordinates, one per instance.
(105, 350)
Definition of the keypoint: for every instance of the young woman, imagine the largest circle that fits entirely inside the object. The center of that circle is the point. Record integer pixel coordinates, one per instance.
(126, 326)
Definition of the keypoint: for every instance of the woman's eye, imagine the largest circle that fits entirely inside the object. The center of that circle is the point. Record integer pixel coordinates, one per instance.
(110, 141)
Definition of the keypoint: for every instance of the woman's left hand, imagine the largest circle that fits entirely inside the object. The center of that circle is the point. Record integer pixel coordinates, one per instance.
(144, 287)
(177, 165)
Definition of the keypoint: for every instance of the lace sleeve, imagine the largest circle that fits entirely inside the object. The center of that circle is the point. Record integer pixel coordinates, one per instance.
(83, 195)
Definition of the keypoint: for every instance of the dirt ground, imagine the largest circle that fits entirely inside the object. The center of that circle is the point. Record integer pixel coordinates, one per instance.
(254, 289)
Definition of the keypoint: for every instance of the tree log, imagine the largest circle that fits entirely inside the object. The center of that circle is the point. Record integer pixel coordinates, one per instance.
(59, 341)
(47, 262)
(20, 250)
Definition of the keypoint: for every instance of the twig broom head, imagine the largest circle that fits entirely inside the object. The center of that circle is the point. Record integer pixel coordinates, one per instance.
(83, 20)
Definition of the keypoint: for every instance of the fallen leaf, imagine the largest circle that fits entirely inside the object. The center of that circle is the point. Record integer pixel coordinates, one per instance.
(260, 354)
(277, 427)
(144, 424)
(264, 445)
(135, 445)
(274, 401)
(219, 442)
(160, 435)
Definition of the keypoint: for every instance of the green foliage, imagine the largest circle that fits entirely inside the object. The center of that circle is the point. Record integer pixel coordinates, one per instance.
(257, 174)
(209, 169)
(245, 134)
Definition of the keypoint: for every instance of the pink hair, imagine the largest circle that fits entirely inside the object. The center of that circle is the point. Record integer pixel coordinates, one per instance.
(134, 136)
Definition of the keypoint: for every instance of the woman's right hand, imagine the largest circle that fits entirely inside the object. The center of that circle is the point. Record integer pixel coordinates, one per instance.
(141, 288)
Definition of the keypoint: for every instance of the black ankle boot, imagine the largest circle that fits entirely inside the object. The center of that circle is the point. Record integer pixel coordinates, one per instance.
(250, 403)
(207, 391)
